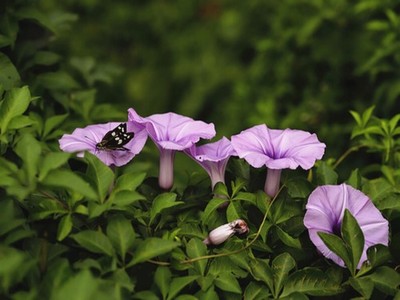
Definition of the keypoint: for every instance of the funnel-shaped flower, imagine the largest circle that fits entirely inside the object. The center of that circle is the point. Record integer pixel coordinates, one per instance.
(277, 150)
(213, 158)
(325, 211)
(224, 232)
(113, 143)
(171, 132)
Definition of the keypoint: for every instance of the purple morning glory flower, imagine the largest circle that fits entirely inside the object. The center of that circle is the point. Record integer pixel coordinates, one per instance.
(113, 143)
(171, 132)
(325, 211)
(213, 158)
(277, 149)
(224, 232)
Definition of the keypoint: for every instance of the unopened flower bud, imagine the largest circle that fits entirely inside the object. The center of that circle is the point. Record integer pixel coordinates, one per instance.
(224, 232)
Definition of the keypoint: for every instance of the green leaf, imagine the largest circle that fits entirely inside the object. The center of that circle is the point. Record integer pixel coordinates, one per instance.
(82, 286)
(161, 202)
(211, 207)
(100, 175)
(227, 282)
(261, 271)
(162, 278)
(287, 239)
(353, 238)
(19, 122)
(221, 190)
(52, 161)
(364, 286)
(386, 280)
(64, 227)
(29, 149)
(355, 179)
(281, 266)
(59, 80)
(311, 281)
(152, 247)
(124, 198)
(67, 179)
(177, 284)
(121, 234)
(256, 291)
(94, 241)
(196, 248)
(234, 211)
(129, 181)
(9, 76)
(53, 122)
(15, 104)
(378, 255)
(325, 174)
(298, 187)
(336, 244)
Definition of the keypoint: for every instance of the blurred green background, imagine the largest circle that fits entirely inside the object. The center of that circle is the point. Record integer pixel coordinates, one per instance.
(295, 63)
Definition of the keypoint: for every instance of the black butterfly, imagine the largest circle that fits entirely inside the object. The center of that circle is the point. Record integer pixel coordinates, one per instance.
(115, 139)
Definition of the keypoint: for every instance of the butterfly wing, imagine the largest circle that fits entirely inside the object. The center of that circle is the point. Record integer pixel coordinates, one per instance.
(116, 139)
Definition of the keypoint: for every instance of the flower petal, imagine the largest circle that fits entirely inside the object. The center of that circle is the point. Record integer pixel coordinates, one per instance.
(325, 210)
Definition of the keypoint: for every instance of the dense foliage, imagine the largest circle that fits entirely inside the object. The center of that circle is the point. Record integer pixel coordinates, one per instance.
(75, 228)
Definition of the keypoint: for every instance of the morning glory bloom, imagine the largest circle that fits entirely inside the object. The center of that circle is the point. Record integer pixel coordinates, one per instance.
(224, 232)
(213, 158)
(171, 132)
(325, 211)
(125, 141)
(277, 149)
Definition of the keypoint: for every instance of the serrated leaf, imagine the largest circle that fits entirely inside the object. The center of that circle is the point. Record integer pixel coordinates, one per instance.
(336, 244)
(64, 227)
(162, 278)
(100, 175)
(94, 241)
(281, 266)
(67, 179)
(121, 234)
(353, 238)
(161, 202)
(227, 282)
(311, 281)
(177, 284)
(196, 248)
(150, 248)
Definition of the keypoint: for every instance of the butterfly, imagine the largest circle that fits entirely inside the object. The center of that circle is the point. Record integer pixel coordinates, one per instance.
(115, 139)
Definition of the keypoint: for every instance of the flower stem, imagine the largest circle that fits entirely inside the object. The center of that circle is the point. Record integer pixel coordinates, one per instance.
(166, 175)
(272, 182)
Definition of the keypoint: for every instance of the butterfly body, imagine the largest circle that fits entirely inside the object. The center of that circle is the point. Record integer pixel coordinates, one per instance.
(115, 139)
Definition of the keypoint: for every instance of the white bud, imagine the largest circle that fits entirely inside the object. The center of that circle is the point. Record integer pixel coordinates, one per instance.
(224, 232)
